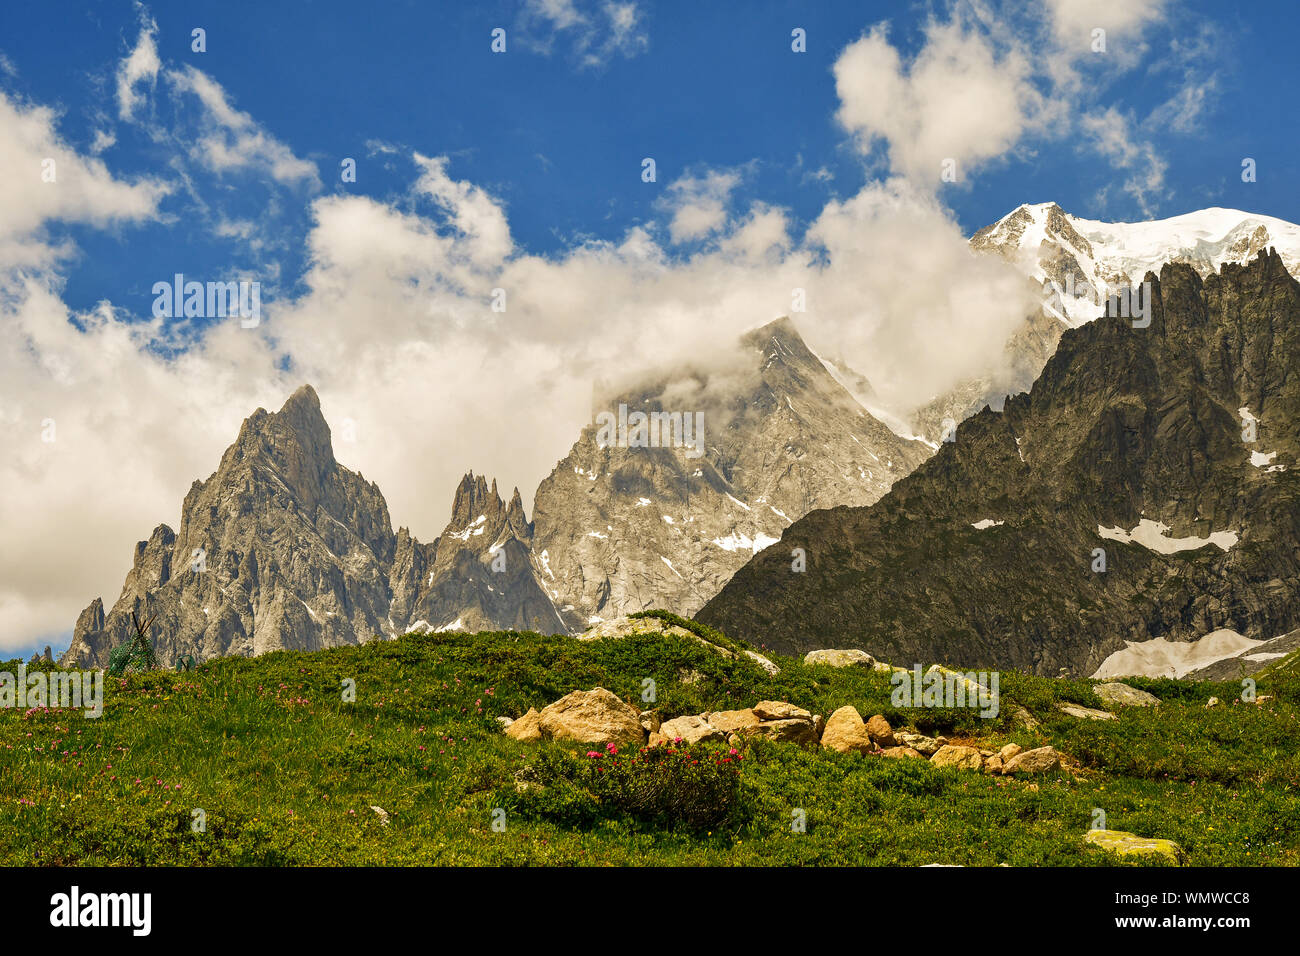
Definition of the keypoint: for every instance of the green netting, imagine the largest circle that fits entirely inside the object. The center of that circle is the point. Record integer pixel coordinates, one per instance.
(136, 657)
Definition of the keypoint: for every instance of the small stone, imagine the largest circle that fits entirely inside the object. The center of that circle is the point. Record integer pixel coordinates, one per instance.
(993, 764)
(1085, 713)
(1213, 702)
(383, 815)
(1009, 751)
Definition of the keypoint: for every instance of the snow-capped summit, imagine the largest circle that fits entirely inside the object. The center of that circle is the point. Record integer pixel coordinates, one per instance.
(1084, 260)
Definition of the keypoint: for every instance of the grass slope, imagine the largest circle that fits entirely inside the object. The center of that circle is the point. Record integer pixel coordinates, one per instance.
(286, 771)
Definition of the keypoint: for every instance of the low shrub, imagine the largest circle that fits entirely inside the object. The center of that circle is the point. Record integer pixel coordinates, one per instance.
(693, 787)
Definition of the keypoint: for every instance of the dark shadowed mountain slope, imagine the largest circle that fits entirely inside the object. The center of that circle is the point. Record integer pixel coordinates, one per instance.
(985, 554)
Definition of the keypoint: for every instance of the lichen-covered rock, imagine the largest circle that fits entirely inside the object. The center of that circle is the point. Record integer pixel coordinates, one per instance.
(797, 730)
(1085, 713)
(1122, 695)
(840, 658)
(780, 710)
(1130, 844)
(733, 721)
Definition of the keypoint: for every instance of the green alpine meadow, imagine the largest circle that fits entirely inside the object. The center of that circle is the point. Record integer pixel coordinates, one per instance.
(392, 753)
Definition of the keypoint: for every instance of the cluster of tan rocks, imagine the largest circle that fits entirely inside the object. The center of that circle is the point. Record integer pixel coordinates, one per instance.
(599, 717)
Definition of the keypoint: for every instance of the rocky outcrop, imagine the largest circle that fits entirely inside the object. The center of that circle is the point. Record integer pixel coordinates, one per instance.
(282, 548)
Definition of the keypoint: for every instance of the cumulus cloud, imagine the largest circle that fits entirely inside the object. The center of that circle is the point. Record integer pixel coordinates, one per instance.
(959, 99)
(46, 180)
(698, 203)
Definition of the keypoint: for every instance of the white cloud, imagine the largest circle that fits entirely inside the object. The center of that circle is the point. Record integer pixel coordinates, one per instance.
(140, 67)
(698, 203)
(597, 30)
(957, 99)
(233, 140)
(82, 191)
(1115, 136)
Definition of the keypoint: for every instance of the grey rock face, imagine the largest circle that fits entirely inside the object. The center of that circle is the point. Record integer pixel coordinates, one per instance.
(620, 530)
(279, 548)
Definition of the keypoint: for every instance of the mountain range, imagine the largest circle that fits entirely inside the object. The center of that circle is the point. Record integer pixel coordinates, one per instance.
(1143, 489)
(284, 548)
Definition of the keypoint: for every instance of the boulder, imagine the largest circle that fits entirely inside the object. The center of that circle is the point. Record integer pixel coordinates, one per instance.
(1122, 695)
(527, 727)
(691, 730)
(591, 717)
(1009, 751)
(897, 752)
(795, 731)
(879, 730)
(1084, 713)
(846, 658)
(1130, 844)
(650, 721)
(954, 755)
(733, 721)
(656, 739)
(780, 710)
(993, 764)
(1039, 760)
(846, 733)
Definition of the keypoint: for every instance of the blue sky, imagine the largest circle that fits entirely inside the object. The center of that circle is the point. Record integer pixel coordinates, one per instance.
(559, 142)
(521, 171)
